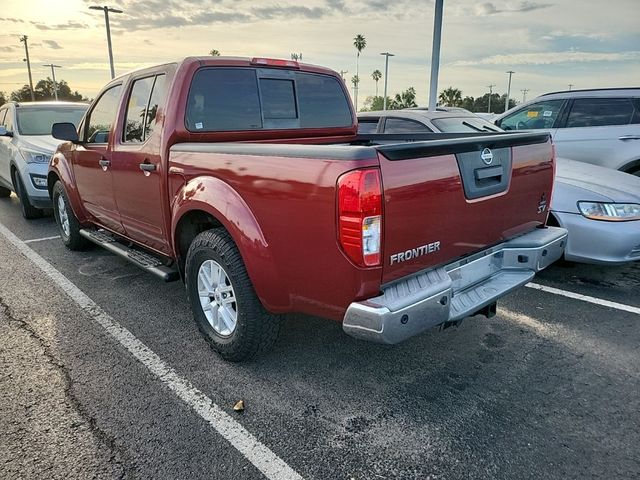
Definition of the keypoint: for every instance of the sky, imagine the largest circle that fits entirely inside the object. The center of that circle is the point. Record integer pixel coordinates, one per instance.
(548, 43)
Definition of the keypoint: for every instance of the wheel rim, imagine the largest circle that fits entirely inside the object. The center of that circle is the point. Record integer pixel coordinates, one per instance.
(63, 215)
(217, 298)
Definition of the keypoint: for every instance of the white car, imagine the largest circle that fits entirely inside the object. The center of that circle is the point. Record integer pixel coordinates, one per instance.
(600, 126)
(26, 145)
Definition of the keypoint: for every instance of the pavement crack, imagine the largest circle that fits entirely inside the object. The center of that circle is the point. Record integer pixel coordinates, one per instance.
(119, 455)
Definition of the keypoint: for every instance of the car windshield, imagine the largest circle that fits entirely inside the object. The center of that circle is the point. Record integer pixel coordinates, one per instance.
(464, 125)
(38, 120)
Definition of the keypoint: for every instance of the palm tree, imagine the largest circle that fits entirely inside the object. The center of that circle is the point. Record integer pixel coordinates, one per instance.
(355, 80)
(376, 75)
(406, 99)
(214, 53)
(359, 42)
(450, 97)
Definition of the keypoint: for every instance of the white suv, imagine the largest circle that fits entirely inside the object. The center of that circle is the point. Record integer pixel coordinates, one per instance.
(600, 126)
(26, 145)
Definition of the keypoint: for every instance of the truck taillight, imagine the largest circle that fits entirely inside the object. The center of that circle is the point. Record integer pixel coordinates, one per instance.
(360, 216)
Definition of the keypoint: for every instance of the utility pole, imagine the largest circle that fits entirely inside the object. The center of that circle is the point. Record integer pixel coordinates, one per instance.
(23, 39)
(435, 54)
(386, 77)
(506, 101)
(524, 94)
(490, 93)
(106, 21)
(570, 86)
(53, 76)
(342, 72)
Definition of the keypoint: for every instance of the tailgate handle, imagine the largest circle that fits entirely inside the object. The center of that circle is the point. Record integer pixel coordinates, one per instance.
(629, 137)
(489, 172)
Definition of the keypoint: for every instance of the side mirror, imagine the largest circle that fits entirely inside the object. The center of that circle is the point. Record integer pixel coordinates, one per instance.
(4, 132)
(65, 131)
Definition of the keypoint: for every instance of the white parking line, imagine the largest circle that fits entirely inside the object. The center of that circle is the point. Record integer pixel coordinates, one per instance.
(33, 240)
(272, 466)
(585, 298)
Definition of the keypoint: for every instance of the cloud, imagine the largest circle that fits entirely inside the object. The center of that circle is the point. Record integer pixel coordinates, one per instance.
(550, 58)
(292, 11)
(490, 8)
(70, 25)
(7, 49)
(10, 19)
(52, 44)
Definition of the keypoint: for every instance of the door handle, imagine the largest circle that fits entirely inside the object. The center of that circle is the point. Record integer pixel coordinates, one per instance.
(104, 163)
(147, 167)
(629, 137)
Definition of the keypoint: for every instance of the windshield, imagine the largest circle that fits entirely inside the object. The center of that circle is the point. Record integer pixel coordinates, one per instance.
(38, 120)
(464, 125)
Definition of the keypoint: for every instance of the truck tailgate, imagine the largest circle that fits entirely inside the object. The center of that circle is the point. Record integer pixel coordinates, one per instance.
(446, 199)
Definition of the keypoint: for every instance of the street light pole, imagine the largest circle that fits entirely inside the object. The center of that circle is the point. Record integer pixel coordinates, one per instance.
(490, 93)
(53, 76)
(342, 72)
(386, 77)
(435, 54)
(570, 86)
(524, 94)
(23, 39)
(106, 21)
(506, 101)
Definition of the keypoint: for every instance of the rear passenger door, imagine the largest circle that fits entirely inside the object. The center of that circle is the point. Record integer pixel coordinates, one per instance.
(5, 153)
(602, 131)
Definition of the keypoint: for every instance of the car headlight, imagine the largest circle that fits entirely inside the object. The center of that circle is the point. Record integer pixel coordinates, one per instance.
(33, 156)
(610, 212)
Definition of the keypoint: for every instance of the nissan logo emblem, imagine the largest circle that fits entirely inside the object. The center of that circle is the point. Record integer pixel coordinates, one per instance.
(486, 156)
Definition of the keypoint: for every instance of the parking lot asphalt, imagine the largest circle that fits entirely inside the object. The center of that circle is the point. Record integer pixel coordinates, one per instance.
(546, 389)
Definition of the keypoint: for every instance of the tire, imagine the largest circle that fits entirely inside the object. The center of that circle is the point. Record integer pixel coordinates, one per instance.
(68, 224)
(215, 265)
(28, 211)
(5, 192)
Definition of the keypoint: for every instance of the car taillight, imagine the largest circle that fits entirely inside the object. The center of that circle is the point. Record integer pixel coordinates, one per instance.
(360, 216)
(275, 62)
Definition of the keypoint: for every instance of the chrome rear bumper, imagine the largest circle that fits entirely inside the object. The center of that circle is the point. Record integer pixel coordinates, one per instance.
(413, 304)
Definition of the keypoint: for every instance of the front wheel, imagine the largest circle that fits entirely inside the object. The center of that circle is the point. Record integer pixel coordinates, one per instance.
(224, 303)
(28, 210)
(67, 222)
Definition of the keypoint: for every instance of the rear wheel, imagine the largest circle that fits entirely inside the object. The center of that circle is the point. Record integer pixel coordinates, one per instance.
(4, 192)
(224, 303)
(28, 210)
(67, 222)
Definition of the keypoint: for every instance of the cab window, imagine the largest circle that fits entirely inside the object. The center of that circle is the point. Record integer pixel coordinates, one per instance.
(535, 116)
(102, 116)
(142, 108)
(367, 125)
(401, 125)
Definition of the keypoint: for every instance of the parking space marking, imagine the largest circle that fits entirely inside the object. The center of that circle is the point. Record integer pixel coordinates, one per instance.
(271, 466)
(585, 298)
(34, 240)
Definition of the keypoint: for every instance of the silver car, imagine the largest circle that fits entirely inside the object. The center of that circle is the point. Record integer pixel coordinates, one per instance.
(599, 207)
(26, 145)
(599, 126)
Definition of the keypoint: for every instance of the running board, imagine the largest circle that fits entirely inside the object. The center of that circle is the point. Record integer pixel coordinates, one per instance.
(139, 258)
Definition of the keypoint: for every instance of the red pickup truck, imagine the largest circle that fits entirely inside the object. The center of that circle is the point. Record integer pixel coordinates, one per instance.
(246, 179)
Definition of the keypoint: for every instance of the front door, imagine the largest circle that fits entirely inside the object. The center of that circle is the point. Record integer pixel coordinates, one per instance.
(136, 166)
(92, 161)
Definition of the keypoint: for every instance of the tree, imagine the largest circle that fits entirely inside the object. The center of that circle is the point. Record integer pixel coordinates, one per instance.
(376, 75)
(214, 53)
(3, 98)
(406, 99)
(44, 90)
(359, 42)
(372, 104)
(450, 97)
(355, 80)
(296, 56)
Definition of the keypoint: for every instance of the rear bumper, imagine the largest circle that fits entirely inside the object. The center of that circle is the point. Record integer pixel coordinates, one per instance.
(413, 304)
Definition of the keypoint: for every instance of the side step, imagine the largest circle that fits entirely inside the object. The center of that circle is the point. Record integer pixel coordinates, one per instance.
(144, 260)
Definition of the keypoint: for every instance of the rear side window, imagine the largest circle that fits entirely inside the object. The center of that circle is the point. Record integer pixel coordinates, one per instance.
(8, 121)
(102, 116)
(147, 96)
(224, 99)
(536, 115)
(600, 112)
(400, 125)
